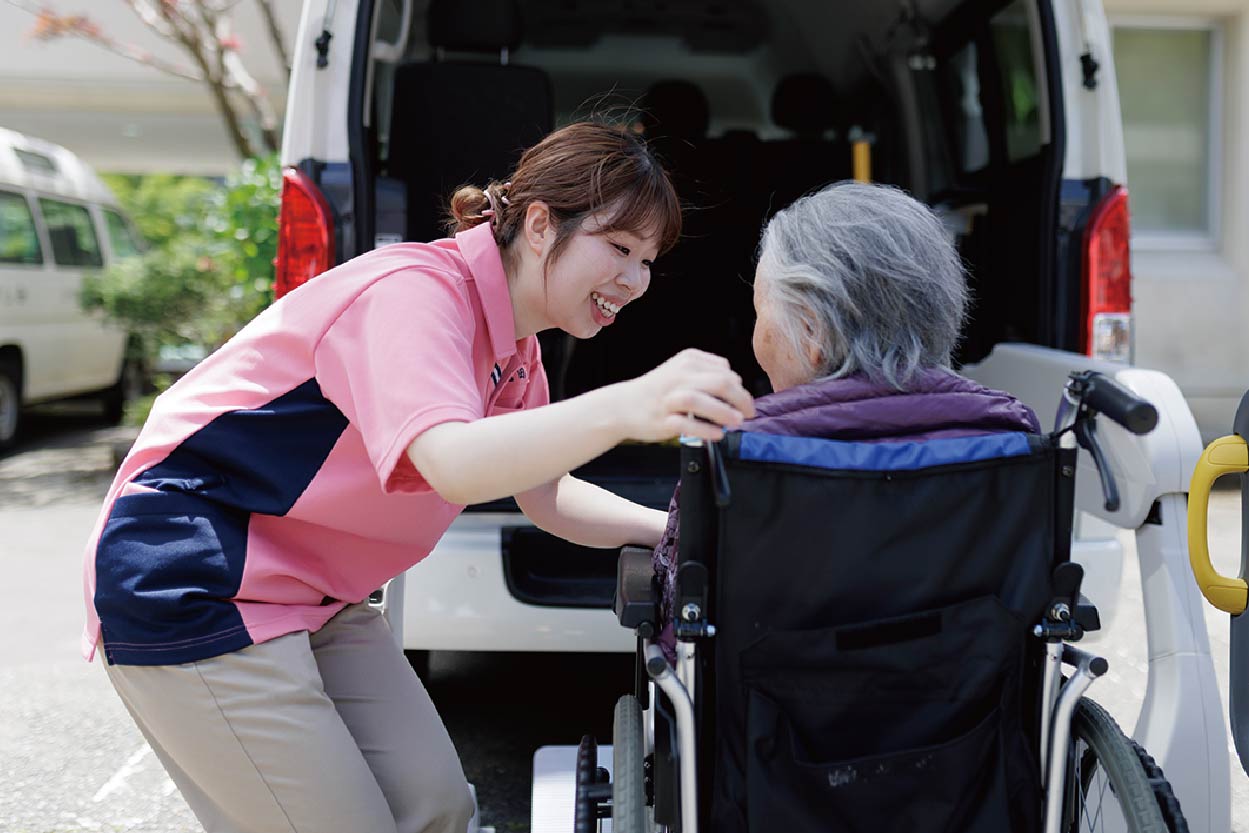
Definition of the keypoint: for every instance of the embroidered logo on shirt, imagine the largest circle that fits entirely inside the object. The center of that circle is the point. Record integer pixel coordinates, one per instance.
(496, 375)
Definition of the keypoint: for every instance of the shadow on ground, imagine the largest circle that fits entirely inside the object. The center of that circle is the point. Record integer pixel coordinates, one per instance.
(500, 707)
(65, 453)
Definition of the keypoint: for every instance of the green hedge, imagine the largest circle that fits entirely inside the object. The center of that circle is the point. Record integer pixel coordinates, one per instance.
(208, 266)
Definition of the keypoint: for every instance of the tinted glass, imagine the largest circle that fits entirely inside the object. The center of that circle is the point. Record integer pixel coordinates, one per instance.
(72, 234)
(1021, 97)
(969, 131)
(119, 235)
(19, 242)
(35, 161)
(1015, 66)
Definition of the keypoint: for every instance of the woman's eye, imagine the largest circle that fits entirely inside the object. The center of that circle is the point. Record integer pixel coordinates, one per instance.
(624, 250)
(649, 264)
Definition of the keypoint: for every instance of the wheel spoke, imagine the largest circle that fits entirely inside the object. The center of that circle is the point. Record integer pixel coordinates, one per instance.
(1110, 789)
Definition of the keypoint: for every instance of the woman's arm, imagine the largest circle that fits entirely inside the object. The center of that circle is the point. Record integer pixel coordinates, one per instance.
(693, 393)
(585, 514)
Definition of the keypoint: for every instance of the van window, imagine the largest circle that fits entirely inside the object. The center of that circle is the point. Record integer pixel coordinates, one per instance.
(970, 136)
(72, 234)
(1007, 60)
(19, 242)
(36, 162)
(1021, 92)
(119, 234)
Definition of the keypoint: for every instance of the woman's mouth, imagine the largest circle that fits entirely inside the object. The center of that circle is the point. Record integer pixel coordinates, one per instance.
(604, 310)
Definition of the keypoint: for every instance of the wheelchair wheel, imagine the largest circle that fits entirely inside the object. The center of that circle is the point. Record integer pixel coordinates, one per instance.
(629, 814)
(1167, 802)
(1108, 785)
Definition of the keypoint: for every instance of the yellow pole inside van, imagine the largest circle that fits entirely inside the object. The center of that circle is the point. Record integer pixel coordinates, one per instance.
(860, 154)
(862, 157)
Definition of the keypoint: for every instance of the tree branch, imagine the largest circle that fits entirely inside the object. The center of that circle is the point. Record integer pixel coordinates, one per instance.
(49, 26)
(144, 10)
(275, 35)
(201, 29)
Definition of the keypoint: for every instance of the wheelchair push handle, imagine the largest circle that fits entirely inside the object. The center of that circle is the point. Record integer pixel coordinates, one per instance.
(1089, 393)
(1106, 396)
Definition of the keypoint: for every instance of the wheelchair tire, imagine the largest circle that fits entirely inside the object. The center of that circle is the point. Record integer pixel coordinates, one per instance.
(1103, 765)
(629, 814)
(1167, 802)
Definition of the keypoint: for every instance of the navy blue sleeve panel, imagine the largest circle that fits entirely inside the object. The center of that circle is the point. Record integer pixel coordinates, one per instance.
(165, 566)
(169, 560)
(259, 459)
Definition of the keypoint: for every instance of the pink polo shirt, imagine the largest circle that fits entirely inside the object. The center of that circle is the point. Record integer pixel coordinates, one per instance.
(270, 486)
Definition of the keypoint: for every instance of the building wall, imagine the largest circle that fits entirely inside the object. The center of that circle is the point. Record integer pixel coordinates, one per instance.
(1192, 301)
(117, 114)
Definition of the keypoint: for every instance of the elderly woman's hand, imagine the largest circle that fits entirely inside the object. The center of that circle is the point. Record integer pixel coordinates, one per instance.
(694, 393)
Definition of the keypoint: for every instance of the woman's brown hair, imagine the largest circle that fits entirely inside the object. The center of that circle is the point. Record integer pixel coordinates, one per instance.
(582, 169)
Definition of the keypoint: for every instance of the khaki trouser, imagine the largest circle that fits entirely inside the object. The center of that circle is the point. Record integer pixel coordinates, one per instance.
(329, 732)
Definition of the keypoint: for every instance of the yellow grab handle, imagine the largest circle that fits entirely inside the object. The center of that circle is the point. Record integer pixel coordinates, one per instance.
(861, 155)
(1226, 455)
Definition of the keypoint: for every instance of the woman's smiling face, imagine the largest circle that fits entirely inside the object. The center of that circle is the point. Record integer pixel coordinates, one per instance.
(595, 276)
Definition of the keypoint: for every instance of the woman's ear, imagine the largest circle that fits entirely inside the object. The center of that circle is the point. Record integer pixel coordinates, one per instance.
(538, 228)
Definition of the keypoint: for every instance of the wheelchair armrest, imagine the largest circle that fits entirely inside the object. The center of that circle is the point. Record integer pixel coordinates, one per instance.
(636, 597)
(1086, 615)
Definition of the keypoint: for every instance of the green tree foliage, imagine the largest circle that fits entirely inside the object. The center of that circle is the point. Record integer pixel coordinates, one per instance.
(208, 269)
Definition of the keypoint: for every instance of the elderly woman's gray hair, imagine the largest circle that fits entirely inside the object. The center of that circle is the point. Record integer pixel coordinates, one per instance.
(872, 273)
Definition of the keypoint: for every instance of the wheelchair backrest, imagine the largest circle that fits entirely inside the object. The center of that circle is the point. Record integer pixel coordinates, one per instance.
(819, 532)
(877, 571)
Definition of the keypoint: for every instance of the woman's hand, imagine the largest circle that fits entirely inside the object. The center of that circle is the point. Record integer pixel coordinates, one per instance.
(694, 393)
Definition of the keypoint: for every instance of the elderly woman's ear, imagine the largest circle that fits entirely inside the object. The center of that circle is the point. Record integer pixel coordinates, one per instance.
(813, 344)
(788, 341)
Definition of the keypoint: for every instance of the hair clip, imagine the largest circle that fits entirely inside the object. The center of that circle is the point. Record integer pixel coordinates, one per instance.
(493, 211)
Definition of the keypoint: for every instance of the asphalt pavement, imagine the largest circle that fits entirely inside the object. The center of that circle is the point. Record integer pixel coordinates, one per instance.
(71, 759)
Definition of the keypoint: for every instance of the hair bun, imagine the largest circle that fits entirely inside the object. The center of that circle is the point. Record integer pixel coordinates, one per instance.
(466, 209)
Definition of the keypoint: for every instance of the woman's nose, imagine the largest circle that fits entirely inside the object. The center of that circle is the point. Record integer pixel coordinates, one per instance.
(633, 279)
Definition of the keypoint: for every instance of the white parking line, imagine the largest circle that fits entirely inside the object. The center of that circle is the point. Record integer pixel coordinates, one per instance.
(120, 776)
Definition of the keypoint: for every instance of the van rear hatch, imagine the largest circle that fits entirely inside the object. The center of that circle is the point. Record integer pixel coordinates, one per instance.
(749, 105)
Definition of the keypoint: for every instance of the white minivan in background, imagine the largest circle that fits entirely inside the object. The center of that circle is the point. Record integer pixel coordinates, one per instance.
(58, 222)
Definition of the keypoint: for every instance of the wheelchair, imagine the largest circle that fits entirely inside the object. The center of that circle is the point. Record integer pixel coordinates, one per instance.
(876, 637)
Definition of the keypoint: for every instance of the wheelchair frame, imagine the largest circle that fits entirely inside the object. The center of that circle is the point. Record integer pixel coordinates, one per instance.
(1065, 619)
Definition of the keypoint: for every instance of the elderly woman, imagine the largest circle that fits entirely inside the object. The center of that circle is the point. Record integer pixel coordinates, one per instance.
(859, 297)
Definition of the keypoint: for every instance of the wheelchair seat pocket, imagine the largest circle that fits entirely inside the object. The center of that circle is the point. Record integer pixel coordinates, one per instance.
(893, 724)
(954, 786)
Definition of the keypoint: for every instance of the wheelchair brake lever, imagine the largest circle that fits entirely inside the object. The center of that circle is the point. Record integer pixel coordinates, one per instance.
(1086, 435)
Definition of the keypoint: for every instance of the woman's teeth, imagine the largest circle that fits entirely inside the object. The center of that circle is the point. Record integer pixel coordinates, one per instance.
(609, 309)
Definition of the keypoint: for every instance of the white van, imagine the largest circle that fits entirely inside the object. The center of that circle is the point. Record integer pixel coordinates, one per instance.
(1001, 114)
(58, 222)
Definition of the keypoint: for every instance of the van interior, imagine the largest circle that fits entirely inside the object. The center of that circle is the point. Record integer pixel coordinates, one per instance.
(749, 104)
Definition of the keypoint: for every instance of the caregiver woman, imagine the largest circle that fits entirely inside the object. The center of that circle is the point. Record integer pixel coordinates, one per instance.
(327, 447)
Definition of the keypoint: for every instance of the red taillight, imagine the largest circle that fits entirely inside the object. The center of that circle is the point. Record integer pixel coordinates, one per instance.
(305, 233)
(1107, 304)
